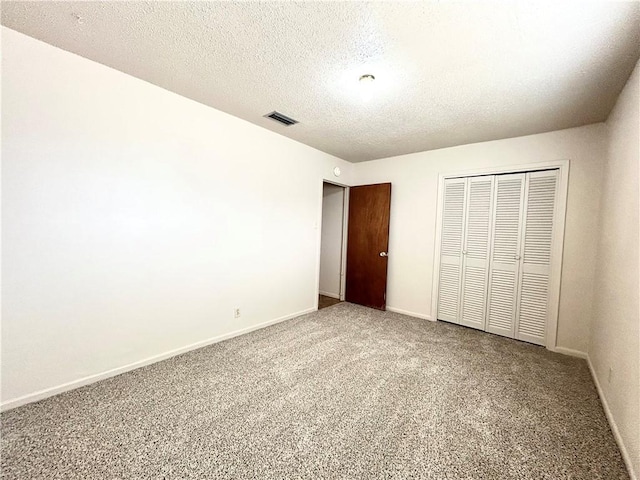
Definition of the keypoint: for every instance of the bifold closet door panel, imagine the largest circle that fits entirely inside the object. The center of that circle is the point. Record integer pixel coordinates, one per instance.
(539, 213)
(451, 250)
(476, 251)
(505, 254)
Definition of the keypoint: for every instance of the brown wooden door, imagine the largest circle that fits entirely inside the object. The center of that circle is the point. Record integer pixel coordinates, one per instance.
(368, 237)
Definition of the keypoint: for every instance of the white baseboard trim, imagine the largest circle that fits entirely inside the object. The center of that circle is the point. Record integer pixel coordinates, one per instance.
(329, 294)
(612, 423)
(65, 387)
(571, 352)
(410, 314)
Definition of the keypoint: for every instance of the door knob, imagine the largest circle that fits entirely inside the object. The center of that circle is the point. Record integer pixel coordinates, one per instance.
(517, 257)
(384, 254)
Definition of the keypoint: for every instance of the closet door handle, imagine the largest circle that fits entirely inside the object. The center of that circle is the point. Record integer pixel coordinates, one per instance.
(464, 252)
(517, 257)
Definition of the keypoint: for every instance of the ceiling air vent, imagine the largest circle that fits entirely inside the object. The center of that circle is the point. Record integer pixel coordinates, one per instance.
(283, 119)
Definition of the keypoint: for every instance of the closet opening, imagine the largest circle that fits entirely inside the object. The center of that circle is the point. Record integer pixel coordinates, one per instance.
(332, 245)
(499, 237)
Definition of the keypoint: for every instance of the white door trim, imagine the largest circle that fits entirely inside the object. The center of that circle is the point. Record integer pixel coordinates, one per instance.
(345, 231)
(556, 247)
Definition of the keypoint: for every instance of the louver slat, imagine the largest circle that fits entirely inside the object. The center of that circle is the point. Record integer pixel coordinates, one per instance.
(538, 236)
(475, 270)
(448, 296)
(502, 306)
(507, 222)
(533, 308)
(453, 218)
(539, 221)
(478, 218)
(473, 299)
(451, 250)
(503, 270)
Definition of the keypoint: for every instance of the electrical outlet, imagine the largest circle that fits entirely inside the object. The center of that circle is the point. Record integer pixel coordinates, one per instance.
(236, 313)
(610, 374)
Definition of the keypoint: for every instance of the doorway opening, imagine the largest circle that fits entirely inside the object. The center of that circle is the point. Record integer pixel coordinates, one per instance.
(332, 245)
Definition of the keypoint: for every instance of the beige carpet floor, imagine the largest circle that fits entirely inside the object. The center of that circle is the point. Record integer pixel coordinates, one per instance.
(345, 392)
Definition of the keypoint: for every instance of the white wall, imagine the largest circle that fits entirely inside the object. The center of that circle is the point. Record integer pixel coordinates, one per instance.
(413, 216)
(135, 220)
(615, 338)
(331, 245)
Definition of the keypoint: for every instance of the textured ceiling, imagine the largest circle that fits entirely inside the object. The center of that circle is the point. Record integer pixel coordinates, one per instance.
(446, 73)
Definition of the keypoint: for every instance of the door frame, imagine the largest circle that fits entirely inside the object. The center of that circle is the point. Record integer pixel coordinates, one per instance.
(343, 247)
(557, 245)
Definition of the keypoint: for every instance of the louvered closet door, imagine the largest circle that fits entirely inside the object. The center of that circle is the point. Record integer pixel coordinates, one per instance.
(504, 262)
(540, 199)
(451, 250)
(476, 251)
